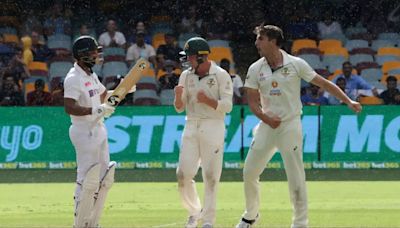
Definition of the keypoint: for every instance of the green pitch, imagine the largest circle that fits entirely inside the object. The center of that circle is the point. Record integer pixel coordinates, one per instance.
(332, 204)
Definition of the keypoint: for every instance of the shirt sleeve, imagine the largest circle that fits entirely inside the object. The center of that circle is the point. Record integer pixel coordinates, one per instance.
(102, 88)
(152, 52)
(225, 92)
(122, 39)
(182, 82)
(129, 54)
(305, 71)
(362, 84)
(71, 88)
(251, 79)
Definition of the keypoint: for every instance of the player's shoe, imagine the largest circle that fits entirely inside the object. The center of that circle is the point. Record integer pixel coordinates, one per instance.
(192, 221)
(244, 223)
(207, 225)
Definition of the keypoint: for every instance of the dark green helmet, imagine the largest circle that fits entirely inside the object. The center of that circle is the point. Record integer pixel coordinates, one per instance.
(196, 46)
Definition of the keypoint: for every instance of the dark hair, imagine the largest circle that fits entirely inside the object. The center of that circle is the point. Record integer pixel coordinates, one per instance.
(39, 82)
(391, 78)
(340, 79)
(347, 63)
(224, 61)
(271, 31)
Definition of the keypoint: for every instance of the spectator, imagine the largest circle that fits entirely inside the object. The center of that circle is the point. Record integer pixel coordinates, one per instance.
(328, 26)
(140, 27)
(238, 89)
(83, 31)
(38, 97)
(314, 97)
(17, 66)
(57, 21)
(40, 51)
(391, 96)
(6, 52)
(218, 28)
(10, 95)
(169, 80)
(354, 82)
(141, 50)
(168, 51)
(31, 23)
(191, 22)
(341, 83)
(112, 37)
(27, 55)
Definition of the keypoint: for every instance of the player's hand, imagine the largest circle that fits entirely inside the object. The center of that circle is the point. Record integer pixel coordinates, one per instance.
(103, 110)
(355, 106)
(273, 121)
(202, 97)
(178, 91)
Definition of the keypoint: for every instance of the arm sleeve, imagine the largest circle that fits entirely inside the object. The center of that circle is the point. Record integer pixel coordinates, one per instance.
(130, 54)
(225, 93)
(251, 79)
(152, 52)
(71, 89)
(305, 71)
(362, 84)
(182, 82)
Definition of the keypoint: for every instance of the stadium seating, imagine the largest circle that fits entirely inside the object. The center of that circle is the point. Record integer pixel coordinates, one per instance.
(218, 43)
(337, 51)
(387, 66)
(351, 44)
(376, 44)
(313, 60)
(359, 58)
(381, 59)
(370, 100)
(167, 96)
(389, 36)
(57, 72)
(157, 40)
(384, 78)
(329, 44)
(218, 53)
(114, 69)
(147, 83)
(372, 74)
(114, 54)
(11, 39)
(146, 97)
(38, 68)
(303, 43)
(389, 51)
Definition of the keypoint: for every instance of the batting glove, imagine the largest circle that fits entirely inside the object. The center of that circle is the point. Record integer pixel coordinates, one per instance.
(103, 110)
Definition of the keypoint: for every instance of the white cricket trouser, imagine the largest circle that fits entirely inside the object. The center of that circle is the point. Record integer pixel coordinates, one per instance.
(288, 139)
(202, 143)
(90, 148)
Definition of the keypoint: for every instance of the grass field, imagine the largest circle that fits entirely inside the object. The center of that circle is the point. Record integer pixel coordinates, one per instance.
(331, 203)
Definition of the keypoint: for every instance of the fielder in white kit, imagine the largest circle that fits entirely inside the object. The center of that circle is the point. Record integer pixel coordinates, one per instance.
(83, 100)
(273, 90)
(205, 91)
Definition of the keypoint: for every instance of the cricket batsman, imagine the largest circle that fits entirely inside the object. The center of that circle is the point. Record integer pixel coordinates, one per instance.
(205, 92)
(83, 101)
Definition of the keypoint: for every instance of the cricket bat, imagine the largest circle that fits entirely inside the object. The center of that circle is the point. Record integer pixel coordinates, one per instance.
(129, 81)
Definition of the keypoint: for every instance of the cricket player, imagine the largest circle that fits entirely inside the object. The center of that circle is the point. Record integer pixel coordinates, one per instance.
(83, 101)
(205, 92)
(273, 90)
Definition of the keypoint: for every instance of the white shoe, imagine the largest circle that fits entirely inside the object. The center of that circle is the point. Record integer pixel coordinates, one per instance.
(192, 221)
(207, 225)
(244, 223)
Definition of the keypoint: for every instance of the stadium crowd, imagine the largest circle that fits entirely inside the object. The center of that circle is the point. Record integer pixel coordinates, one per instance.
(357, 46)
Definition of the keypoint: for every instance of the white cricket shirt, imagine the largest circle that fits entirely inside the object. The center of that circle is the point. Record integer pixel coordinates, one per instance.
(217, 85)
(85, 89)
(280, 90)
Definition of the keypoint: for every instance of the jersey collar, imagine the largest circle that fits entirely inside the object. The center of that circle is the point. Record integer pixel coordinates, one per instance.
(80, 70)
